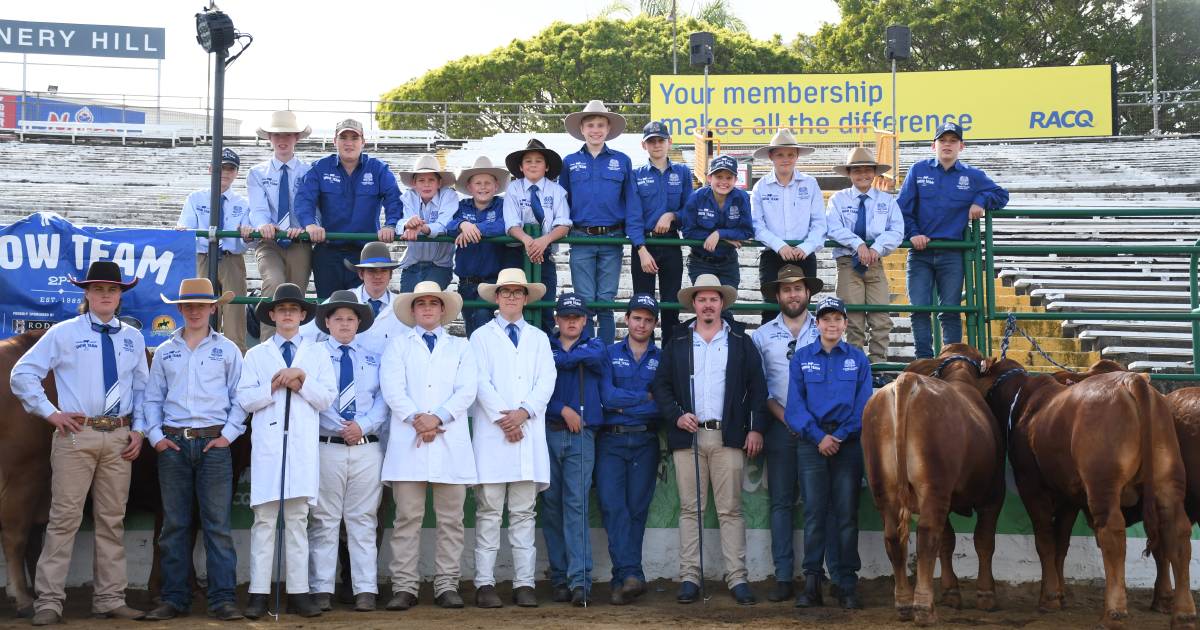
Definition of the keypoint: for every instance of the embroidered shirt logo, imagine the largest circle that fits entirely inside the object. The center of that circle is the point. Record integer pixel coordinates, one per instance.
(964, 182)
(368, 179)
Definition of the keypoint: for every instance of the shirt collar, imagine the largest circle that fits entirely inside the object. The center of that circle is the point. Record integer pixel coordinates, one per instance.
(525, 184)
(650, 347)
(363, 297)
(438, 332)
(809, 322)
(336, 346)
(603, 149)
(292, 164)
(278, 340)
(771, 179)
(724, 327)
(650, 165)
(178, 335)
(841, 348)
(503, 323)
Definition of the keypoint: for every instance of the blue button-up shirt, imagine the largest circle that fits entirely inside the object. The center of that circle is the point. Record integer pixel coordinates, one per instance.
(235, 213)
(936, 202)
(732, 220)
(262, 187)
(600, 189)
(370, 410)
(586, 356)
(885, 224)
(625, 385)
(481, 259)
(775, 341)
(348, 203)
(194, 389)
(827, 388)
(795, 212)
(661, 191)
(436, 212)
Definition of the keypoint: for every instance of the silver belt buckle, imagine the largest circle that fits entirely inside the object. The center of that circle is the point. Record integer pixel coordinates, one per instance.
(187, 433)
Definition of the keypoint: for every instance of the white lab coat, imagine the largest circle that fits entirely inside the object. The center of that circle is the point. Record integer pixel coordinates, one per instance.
(511, 378)
(254, 394)
(442, 383)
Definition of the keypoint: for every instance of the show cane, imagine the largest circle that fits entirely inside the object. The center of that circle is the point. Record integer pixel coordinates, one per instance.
(287, 416)
(582, 485)
(696, 461)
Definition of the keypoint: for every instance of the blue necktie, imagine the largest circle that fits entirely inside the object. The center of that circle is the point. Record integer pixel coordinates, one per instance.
(512, 334)
(536, 204)
(346, 406)
(287, 352)
(285, 201)
(375, 306)
(430, 340)
(860, 229)
(112, 388)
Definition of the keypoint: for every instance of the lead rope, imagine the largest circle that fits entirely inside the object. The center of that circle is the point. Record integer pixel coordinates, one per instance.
(1010, 326)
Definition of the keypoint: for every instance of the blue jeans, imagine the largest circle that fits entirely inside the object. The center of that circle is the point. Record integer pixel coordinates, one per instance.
(626, 464)
(565, 507)
(186, 477)
(329, 272)
(419, 272)
(550, 279)
(727, 270)
(831, 486)
(474, 318)
(596, 275)
(927, 269)
(782, 485)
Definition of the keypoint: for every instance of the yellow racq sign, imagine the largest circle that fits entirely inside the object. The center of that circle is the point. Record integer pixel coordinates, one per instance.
(989, 104)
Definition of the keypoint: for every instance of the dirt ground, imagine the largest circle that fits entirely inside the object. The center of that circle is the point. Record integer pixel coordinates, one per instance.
(656, 609)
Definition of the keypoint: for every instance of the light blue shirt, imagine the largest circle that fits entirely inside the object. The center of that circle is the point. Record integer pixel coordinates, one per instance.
(262, 185)
(517, 211)
(236, 213)
(885, 223)
(194, 389)
(437, 212)
(370, 410)
(709, 360)
(795, 212)
(773, 340)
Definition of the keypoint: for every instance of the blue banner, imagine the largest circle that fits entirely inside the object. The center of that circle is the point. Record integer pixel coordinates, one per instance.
(46, 109)
(42, 252)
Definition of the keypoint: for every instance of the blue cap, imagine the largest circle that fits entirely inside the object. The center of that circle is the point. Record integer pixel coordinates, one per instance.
(655, 129)
(229, 157)
(949, 127)
(831, 304)
(723, 163)
(643, 301)
(570, 304)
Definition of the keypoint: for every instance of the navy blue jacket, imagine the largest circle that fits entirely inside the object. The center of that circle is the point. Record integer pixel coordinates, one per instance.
(702, 215)
(481, 259)
(349, 203)
(625, 385)
(936, 202)
(827, 388)
(588, 352)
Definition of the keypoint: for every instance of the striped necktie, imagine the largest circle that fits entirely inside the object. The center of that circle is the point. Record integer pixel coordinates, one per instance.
(346, 405)
(112, 385)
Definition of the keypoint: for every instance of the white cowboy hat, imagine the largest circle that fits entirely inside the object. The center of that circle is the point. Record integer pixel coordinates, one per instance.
(483, 166)
(707, 282)
(427, 164)
(861, 156)
(512, 277)
(451, 303)
(283, 122)
(616, 122)
(198, 291)
(782, 138)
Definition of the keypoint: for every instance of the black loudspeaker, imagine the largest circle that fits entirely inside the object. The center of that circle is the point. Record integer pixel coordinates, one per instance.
(898, 40)
(701, 46)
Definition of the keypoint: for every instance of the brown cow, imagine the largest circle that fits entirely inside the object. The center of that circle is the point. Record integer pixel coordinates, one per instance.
(931, 447)
(1100, 446)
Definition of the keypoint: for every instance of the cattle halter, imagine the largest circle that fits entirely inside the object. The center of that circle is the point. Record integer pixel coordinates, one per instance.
(937, 373)
(1004, 376)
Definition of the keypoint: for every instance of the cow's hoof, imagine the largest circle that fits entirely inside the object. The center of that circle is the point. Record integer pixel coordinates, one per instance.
(952, 598)
(1113, 620)
(1162, 602)
(1183, 621)
(905, 613)
(986, 600)
(1050, 603)
(924, 616)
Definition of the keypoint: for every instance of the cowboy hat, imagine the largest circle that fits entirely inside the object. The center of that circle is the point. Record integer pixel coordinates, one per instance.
(707, 282)
(789, 274)
(427, 164)
(103, 272)
(861, 156)
(286, 292)
(782, 139)
(451, 303)
(344, 299)
(483, 166)
(616, 122)
(375, 255)
(283, 122)
(198, 291)
(553, 160)
(512, 277)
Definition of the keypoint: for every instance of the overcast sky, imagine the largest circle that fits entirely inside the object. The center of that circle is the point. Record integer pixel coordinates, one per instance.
(348, 49)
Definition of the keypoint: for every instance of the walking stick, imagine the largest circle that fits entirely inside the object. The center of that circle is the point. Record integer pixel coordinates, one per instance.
(583, 488)
(696, 461)
(287, 416)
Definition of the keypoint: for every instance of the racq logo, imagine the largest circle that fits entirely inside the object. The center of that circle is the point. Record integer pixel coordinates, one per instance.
(25, 325)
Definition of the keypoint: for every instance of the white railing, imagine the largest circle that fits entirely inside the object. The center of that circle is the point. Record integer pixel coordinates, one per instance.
(124, 131)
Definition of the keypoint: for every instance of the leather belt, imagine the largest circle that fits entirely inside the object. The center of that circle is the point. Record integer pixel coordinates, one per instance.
(599, 230)
(710, 425)
(336, 439)
(618, 429)
(193, 434)
(105, 424)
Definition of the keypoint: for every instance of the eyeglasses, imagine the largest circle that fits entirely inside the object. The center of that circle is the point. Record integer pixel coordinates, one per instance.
(791, 349)
(511, 293)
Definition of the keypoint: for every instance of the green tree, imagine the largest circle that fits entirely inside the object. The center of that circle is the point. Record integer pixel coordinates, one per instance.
(717, 13)
(566, 63)
(1178, 60)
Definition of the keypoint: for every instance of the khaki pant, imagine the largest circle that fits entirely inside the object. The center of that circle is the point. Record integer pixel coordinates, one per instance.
(722, 466)
(406, 535)
(231, 276)
(277, 265)
(869, 288)
(88, 460)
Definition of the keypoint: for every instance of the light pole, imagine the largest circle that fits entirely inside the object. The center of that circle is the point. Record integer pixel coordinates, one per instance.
(1154, 65)
(701, 45)
(898, 39)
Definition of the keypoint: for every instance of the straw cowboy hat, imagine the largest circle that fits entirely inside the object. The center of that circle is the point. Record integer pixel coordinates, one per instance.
(511, 277)
(283, 122)
(427, 164)
(198, 291)
(375, 255)
(104, 272)
(782, 139)
(616, 122)
(451, 303)
(553, 159)
(483, 166)
(791, 274)
(286, 292)
(345, 299)
(861, 156)
(707, 282)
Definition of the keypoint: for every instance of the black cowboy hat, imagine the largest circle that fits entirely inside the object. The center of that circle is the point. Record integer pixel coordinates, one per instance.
(554, 162)
(286, 292)
(104, 272)
(345, 299)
